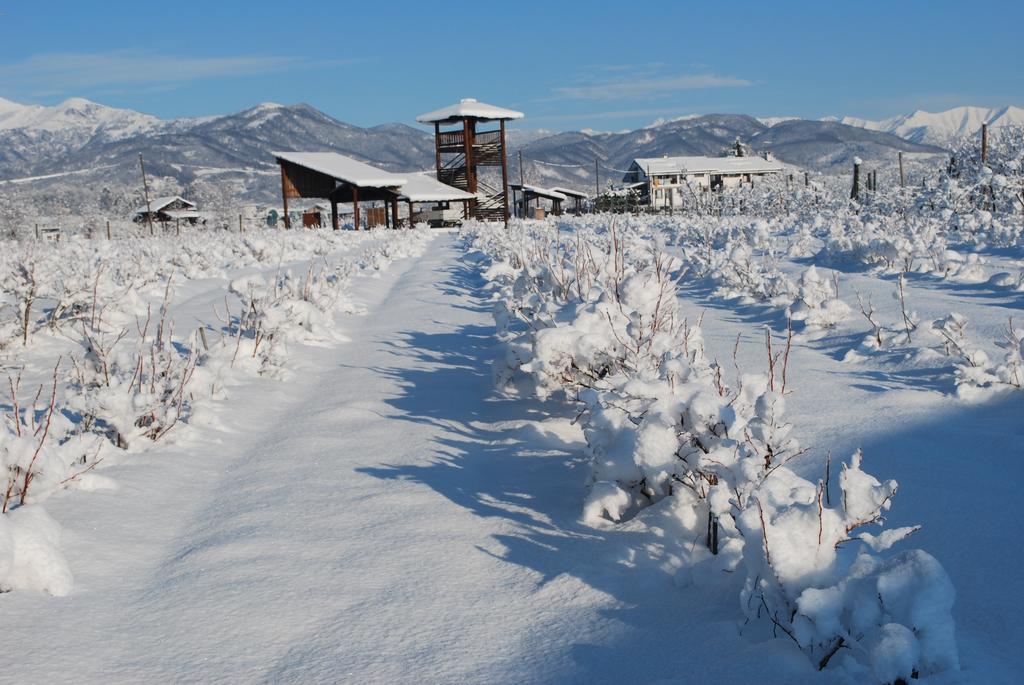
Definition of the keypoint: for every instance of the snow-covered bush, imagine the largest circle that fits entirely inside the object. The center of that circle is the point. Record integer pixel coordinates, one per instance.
(977, 376)
(30, 556)
(818, 305)
(33, 464)
(126, 391)
(816, 575)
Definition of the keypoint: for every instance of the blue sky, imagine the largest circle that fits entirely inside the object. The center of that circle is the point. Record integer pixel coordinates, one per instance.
(567, 65)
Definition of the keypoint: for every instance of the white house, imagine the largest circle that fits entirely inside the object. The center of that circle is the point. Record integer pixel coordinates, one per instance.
(669, 180)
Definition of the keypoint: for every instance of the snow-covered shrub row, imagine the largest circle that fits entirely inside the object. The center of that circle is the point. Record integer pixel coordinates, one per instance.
(55, 284)
(589, 312)
(742, 260)
(132, 380)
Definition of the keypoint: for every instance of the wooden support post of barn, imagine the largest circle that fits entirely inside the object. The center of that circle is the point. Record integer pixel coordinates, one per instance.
(284, 198)
(394, 213)
(355, 207)
(411, 224)
(334, 214)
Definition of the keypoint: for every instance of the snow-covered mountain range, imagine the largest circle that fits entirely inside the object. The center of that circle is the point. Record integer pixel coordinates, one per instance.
(95, 142)
(939, 128)
(103, 142)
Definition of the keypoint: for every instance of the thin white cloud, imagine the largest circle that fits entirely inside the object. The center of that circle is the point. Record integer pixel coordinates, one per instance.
(617, 114)
(61, 71)
(622, 89)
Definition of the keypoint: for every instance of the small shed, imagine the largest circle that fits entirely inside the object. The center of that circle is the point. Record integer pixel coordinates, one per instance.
(576, 196)
(424, 188)
(336, 178)
(534, 194)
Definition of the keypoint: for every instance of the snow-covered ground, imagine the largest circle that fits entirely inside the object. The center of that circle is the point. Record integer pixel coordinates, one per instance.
(366, 505)
(381, 517)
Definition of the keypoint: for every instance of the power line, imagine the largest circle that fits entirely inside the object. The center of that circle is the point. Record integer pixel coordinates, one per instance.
(575, 166)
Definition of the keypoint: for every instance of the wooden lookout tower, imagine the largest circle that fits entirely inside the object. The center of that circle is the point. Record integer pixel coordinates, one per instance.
(463, 149)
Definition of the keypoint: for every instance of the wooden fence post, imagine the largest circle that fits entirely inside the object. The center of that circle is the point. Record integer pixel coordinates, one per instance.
(108, 229)
(239, 223)
(855, 191)
(984, 143)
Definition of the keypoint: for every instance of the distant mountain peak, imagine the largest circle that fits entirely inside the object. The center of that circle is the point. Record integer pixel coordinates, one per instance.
(264, 107)
(79, 103)
(940, 128)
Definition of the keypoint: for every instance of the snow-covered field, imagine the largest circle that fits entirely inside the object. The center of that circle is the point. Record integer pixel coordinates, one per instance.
(604, 449)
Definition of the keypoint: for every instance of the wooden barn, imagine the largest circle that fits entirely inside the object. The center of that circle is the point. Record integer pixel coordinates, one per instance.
(343, 180)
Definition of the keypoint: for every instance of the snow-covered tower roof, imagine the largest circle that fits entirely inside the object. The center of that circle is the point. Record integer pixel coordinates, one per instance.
(468, 108)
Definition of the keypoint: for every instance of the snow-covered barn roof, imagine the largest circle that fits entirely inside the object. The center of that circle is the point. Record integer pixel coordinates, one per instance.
(702, 165)
(468, 108)
(570, 192)
(424, 187)
(547, 193)
(344, 169)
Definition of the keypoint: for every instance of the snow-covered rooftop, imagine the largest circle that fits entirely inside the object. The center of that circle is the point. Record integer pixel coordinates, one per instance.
(715, 165)
(570, 192)
(344, 169)
(468, 108)
(424, 187)
(549, 193)
(158, 203)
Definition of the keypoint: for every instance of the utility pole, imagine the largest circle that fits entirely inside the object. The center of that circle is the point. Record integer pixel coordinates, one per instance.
(597, 180)
(903, 178)
(145, 190)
